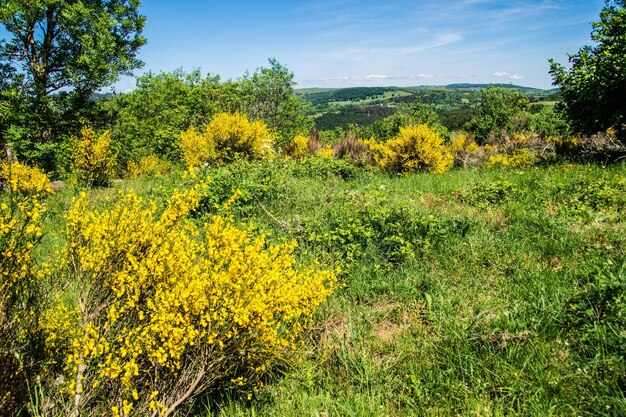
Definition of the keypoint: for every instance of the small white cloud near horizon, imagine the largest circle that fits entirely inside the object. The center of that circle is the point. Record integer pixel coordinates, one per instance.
(509, 76)
(375, 77)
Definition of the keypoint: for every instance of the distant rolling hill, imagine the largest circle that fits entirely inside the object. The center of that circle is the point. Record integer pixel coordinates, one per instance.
(341, 107)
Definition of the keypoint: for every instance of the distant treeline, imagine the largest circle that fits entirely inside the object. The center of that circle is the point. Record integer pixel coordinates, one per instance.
(355, 116)
(345, 94)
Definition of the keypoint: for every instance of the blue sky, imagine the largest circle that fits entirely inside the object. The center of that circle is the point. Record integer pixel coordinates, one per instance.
(337, 43)
(340, 43)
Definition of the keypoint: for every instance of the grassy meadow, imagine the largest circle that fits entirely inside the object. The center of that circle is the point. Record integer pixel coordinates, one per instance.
(471, 293)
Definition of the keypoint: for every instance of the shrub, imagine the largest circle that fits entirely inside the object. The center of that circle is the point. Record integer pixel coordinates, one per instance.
(415, 148)
(485, 194)
(149, 166)
(23, 180)
(21, 208)
(93, 161)
(263, 181)
(465, 150)
(168, 310)
(584, 199)
(362, 222)
(326, 152)
(567, 145)
(517, 159)
(297, 148)
(196, 148)
(352, 148)
(328, 168)
(226, 138)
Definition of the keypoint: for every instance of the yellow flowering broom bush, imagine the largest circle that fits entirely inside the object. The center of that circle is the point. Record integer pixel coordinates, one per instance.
(297, 148)
(21, 206)
(226, 138)
(465, 150)
(415, 148)
(148, 166)
(168, 309)
(93, 161)
(518, 158)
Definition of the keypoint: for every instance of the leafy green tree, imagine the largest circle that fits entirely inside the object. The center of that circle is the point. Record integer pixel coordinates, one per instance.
(149, 119)
(547, 122)
(594, 87)
(269, 95)
(71, 44)
(62, 51)
(500, 111)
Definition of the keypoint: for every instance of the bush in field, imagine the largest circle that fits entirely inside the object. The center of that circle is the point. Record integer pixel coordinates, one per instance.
(21, 208)
(297, 148)
(149, 166)
(93, 161)
(465, 150)
(485, 194)
(416, 148)
(361, 223)
(566, 145)
(168, 310)
(226, 138)
(350, 147)
(500, 112)
(328, 168)
(303, 146)
(196, 148)
(548, 123)
(517, 159)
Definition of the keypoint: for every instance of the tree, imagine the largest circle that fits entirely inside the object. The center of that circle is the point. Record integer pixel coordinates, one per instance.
(80, 45)
(149, 119)
(593, 88)
(60, 52)
(499, 110)
(269, 95)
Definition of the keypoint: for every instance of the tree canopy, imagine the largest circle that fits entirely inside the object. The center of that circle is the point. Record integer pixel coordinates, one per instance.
(80, 45)
(594, 87)
(56, 55)
(499, 110)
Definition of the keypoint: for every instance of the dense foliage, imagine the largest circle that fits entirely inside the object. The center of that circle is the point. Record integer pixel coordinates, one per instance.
(21, 295)
(56, 55)
(93, 160)
(164, 316)
(593, 88)
(415, 148)
(149, 119)
(227, 138)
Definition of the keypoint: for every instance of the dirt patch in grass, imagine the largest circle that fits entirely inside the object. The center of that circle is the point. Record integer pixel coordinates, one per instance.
(335, 331)
(386, 331)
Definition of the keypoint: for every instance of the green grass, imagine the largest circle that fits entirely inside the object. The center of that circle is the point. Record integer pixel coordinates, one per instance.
(489, 295)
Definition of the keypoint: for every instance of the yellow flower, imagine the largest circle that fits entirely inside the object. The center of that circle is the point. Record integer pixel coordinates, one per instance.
(415, 148)
(225, 138)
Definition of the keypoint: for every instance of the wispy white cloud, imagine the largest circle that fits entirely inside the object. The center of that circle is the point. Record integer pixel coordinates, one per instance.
(369, 77)
(360, 53)
(443, 40)
(504, 74)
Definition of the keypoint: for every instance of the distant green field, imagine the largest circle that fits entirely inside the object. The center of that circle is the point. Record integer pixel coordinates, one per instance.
(335, 107)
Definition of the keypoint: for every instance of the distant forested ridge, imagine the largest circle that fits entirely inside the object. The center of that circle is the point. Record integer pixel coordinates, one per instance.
(360, 106)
